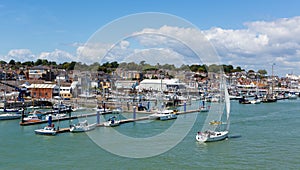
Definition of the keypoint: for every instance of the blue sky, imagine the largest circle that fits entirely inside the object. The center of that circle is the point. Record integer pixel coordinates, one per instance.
(55, 25)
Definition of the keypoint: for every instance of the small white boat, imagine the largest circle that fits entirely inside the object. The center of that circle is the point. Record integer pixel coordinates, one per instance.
(82, 127)
(163, 115)
(10, 116)
(112, 122)
(55, 116)
(9, 110)
(292, 95)
(32, 118)
(48, 130)
(255, 101)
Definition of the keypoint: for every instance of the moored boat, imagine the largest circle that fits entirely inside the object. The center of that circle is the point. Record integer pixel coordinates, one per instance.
(163, 115)
(47, 130)
(111, 122)
(82, 127)
(10, 116)
(32, 118)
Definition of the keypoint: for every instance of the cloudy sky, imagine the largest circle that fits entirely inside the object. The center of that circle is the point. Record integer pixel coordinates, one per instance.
(252, 34)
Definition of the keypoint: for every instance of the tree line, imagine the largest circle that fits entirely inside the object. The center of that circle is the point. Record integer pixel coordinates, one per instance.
(109, 67)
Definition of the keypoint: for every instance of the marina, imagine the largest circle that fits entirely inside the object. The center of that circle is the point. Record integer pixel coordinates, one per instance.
(252, 143)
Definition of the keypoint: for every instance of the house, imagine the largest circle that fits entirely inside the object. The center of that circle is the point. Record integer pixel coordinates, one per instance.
(46, 91)
(39, 73)
(65, 92)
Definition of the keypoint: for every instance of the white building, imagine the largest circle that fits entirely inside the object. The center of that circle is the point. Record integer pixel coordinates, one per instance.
(161, 84)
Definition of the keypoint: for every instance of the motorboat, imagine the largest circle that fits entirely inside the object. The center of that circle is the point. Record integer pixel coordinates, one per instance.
(9, 110)
(47, 130)
(10, 116)
(292, 95)
(255, 101)
(32, 118)
(111, 122)
(55, 116)
(82, 127)
(163, 115)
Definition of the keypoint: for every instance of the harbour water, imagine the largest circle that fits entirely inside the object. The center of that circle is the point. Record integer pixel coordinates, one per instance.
(262, 136)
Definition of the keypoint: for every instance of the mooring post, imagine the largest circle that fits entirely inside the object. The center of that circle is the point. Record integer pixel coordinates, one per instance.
(98, 117)
(134, 112)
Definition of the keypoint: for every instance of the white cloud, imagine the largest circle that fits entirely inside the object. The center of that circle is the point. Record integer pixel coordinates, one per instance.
(256, 46)
(23, 55)
(57, 55)
(92, 52)
(260, 44)
(19, 55)
(156, 55)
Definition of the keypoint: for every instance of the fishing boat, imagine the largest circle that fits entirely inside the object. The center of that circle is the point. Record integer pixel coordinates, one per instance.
(82, 127)
(47, 130)
(111, 122)
(213, 126)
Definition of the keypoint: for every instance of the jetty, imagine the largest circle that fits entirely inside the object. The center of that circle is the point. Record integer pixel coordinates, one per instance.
(123, 121)
(24, 123)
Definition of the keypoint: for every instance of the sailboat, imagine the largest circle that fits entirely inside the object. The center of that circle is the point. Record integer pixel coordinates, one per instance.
(212, 130)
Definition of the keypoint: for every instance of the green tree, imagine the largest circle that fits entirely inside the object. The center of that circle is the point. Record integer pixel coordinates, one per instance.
(262, 72)
(12, 62)
(38, 62)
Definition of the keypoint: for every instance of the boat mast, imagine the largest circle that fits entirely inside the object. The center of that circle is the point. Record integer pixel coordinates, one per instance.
(272, 77)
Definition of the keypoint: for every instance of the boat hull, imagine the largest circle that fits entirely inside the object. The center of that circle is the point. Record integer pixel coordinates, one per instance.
(168, 117)
(9, 116)
(42, 132)
(76, 129)
(109, 124)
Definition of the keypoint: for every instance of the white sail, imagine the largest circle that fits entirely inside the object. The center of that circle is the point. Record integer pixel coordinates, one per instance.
(213, 119)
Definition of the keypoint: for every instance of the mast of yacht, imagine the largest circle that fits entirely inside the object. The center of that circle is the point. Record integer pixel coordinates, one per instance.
(272, 79)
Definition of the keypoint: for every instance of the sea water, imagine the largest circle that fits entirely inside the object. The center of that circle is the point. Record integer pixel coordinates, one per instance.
(262, 136)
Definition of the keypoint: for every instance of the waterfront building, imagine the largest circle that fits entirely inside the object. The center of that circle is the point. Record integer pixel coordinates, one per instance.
(46, 91)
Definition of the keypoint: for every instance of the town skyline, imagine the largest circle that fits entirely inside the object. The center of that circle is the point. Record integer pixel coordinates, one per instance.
(243, 33)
